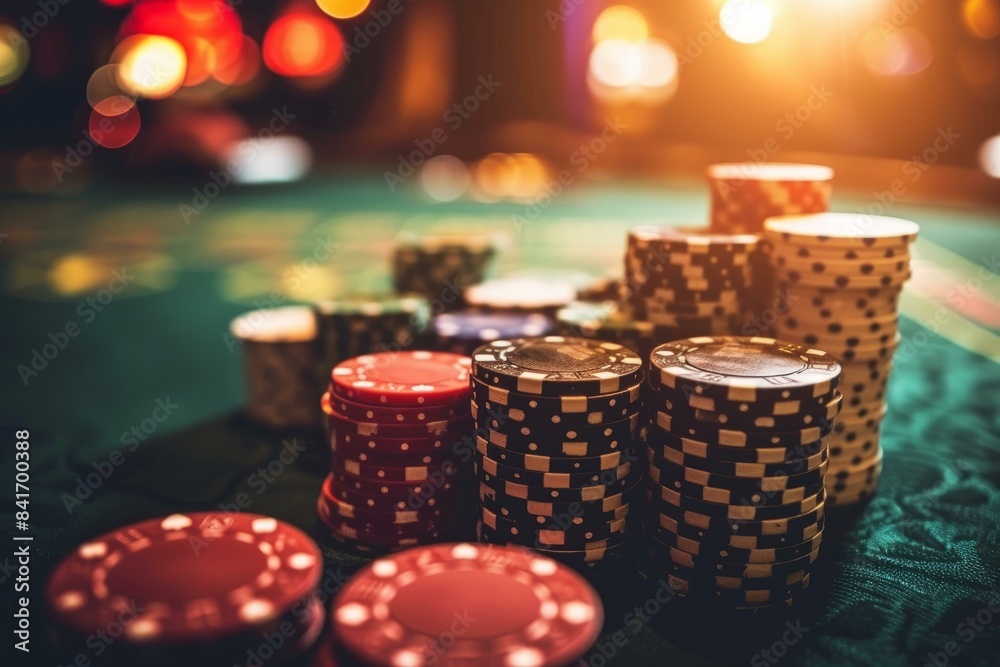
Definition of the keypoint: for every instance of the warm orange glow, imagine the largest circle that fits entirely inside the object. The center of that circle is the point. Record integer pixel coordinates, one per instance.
(114, 131)
(76, 273)
(899, 53)
(301, 44)
(343, 9)
(210, 32)
(444, 178)
(989, 156)
(982, 17)
(150, 66)
(243, 69)
(616, 63)
(621, 22)
(746, 21)
(978, 64)
(13, 55)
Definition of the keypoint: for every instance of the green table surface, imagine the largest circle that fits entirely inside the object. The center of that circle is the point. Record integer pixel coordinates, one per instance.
(911, 577)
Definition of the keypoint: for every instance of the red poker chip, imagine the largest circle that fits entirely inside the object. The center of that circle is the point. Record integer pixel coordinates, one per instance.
(360, 412)
(392, 500)
(517, 606)
(451, 427)
(194, 577)
(389, 536)
(395, 379)
(351, 444)
(337, 507)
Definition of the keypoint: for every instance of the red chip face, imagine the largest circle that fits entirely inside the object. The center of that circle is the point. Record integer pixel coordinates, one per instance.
(185, 578)
(404, 378)
(467, 604)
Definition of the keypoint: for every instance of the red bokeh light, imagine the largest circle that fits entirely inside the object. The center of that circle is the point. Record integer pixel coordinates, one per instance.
(301, 44)
(114, 131)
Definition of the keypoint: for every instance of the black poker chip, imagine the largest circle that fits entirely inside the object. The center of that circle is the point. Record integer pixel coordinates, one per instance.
(729, 574)
(744, 369)
(556, 495)
(575, 536)
(559, 480)
(666, 540)
(792, 461)
(600, 506)
(557, 366)
(714, 487)
(553, 542)
(691, 523)
(568, 410)
(658, 496)
(658, 440)
(525, 432)
(685, 427)
(560, 464)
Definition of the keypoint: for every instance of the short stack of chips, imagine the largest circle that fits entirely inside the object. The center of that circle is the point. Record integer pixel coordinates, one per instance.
(463, 331)
(738, 453)
(202, 588)
(440, 267)
(350, 327)
(557, 424)
(393, 420)
(843, 274)
(279, 363)
(687, 282)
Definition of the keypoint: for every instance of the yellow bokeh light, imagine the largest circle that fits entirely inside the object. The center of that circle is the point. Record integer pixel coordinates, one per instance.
(989, 156)
(900, 53)
(13, 55)
(621, 22)
(150, 66)
(75, 274)
(746, 21)
(982, 17)
(343, 9)
(659, 64)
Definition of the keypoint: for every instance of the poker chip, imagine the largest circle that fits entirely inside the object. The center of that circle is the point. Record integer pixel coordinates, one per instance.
(462, 332)
(384, 414)
(279, 363)
(549, 407)
(555, 494)
(575, 536)
(520, 294)
(437, 512)
(556, 413)
(527, 608)
(770, 369)
(600, 506)
(557, 366)
(821, 417)
(432, 265)
(728, 575)
(442, 429)
(734, 437)
(553, 464)
(403, 378)
(841, 230)
(744, 512)
(779, 491)
(671, 542)
(667, 445)
(737, 468)
(523, 436)
(552, 480)
(386, 499)
(202, 585)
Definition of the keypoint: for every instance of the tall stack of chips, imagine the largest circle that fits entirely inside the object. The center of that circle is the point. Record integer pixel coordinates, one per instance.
(394, 420)
(843, 273)
(738, 454)
(558, 420)
(746, 194)
(687, 282)
(440, 267)
(279, 362)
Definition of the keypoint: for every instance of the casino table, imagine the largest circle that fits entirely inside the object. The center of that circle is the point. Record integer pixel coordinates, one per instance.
(133, 401)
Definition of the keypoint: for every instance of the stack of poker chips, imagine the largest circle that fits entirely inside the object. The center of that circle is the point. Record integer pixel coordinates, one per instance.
(350, 327)
(743, 196)
(205, 588)
(440, 267)
(746, 194)
(557, 425)
(279, 361)
(462, 332)
(738, 453)
(687, 282)
(606, 320)
(394, 420)
(843, 274)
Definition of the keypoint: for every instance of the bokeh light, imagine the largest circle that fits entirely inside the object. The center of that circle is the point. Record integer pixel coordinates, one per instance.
(901, 52)
(258, 160)
(243, 69)
(989, 156)
(982, 17)
(300, 44)
(35, 173)
(746, 21)
(76, 273)
(104, 93)
(444, 178)
(616, 63)
(114, 131)
(658, 64)
(14, 54)
(150, 66)
(621, 22)
(343, 9)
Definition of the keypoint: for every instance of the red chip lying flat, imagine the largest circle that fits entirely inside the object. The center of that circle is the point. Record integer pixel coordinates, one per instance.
(467, 604)
(404, 378)
(194, 577)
